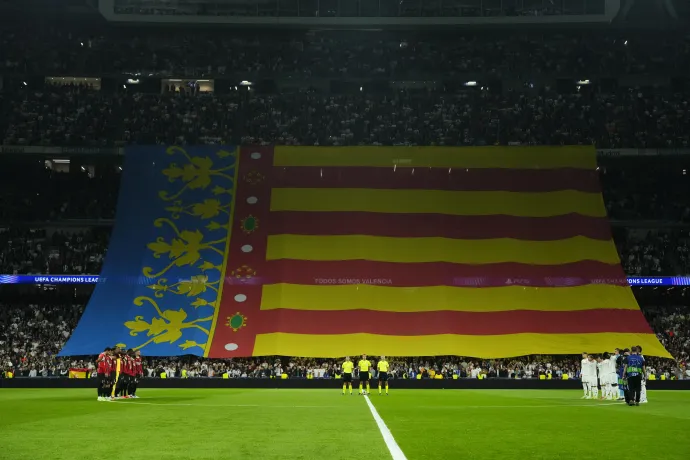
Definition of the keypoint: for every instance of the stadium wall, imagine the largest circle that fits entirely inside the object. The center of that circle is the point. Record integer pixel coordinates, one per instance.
(463, 384)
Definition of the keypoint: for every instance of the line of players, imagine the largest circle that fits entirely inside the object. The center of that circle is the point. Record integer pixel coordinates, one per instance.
(620, 377)
(364, 366)
(118, 373)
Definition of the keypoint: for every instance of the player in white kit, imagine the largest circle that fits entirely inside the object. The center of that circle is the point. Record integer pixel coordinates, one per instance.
(593, 383)
(613, 376)
(608, 377)
(602, 369)
(584, 375)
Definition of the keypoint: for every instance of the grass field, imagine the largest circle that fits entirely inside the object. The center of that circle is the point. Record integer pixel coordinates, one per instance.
(310, 424)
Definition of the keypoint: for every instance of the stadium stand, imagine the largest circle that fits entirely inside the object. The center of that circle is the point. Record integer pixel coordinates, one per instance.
(605, 88)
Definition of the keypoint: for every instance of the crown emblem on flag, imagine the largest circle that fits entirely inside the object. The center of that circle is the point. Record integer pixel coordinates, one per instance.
(249, 224)
(236, 321)
(243, 273)
(254, 177)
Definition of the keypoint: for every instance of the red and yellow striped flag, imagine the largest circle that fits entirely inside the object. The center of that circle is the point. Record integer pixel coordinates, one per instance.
(485, 252)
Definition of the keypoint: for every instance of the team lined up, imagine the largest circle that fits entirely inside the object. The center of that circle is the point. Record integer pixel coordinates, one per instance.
(364, 366)
(620, 376)
(119, 372)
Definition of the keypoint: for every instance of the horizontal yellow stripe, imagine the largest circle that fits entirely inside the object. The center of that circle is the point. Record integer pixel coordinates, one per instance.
(435, 298)
(414, 250)
(485, 346)
(582, 157)
(404, 201)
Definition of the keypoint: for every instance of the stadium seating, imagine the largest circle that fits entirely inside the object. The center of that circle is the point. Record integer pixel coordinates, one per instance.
(59, 222)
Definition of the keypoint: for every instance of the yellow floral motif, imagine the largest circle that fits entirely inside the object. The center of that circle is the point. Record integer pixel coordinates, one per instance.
(186, 248)
(166, 328)
(195, 286)
(209, 266)
(218, 190)
(196, 174)
(224, 154)
(199, 302)
(183, 250)
(206, 210)
(213, 225)
(190, 343)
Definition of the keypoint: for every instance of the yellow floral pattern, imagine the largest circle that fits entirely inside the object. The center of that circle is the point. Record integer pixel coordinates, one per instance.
(186, 258)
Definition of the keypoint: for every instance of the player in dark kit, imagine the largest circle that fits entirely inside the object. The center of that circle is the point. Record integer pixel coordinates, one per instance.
(129, 373)
(102, 374)
(138, 374)
(110, 373)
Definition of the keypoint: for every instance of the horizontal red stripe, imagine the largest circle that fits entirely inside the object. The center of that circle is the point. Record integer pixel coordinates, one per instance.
(439, 273)
(446, 226)
(446, 322)
(516, 180)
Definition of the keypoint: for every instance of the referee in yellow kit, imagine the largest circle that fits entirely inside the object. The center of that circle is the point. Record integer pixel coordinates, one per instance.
(348, 366)
(364, 365)
(382, 367)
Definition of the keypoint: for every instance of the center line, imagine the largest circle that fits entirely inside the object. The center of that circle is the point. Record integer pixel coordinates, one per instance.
(393, 446)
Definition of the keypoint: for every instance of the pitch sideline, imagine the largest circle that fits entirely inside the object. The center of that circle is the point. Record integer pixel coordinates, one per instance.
(393, 447)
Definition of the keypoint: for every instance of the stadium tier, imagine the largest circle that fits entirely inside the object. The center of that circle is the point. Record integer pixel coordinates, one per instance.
(80, 96)
(297, 229)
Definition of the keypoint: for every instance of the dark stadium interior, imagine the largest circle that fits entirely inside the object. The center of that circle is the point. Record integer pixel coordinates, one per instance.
(87, 84)
(84, 84)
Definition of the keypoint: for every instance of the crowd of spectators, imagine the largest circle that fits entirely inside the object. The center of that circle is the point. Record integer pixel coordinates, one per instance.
(31, 334)
(35, 251)
(644, 252)
(30, 351)
(79, 115)
(32, 192)
(672, 327)
(647, 189)
(68, 49)
(33, 329)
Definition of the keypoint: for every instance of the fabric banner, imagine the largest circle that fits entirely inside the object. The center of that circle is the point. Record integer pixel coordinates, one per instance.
(487, 252)
(171, 230)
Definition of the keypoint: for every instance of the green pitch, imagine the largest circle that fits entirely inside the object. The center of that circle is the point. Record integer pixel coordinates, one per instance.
(312, 424)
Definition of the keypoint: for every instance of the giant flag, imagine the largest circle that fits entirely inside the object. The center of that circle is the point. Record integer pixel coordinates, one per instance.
(313, 251)
(161, 279)
(485, 252)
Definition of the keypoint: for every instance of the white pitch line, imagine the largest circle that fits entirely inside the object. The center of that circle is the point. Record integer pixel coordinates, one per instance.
(393, 446)
(335, 407)
(522, 407)
(220, 405)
